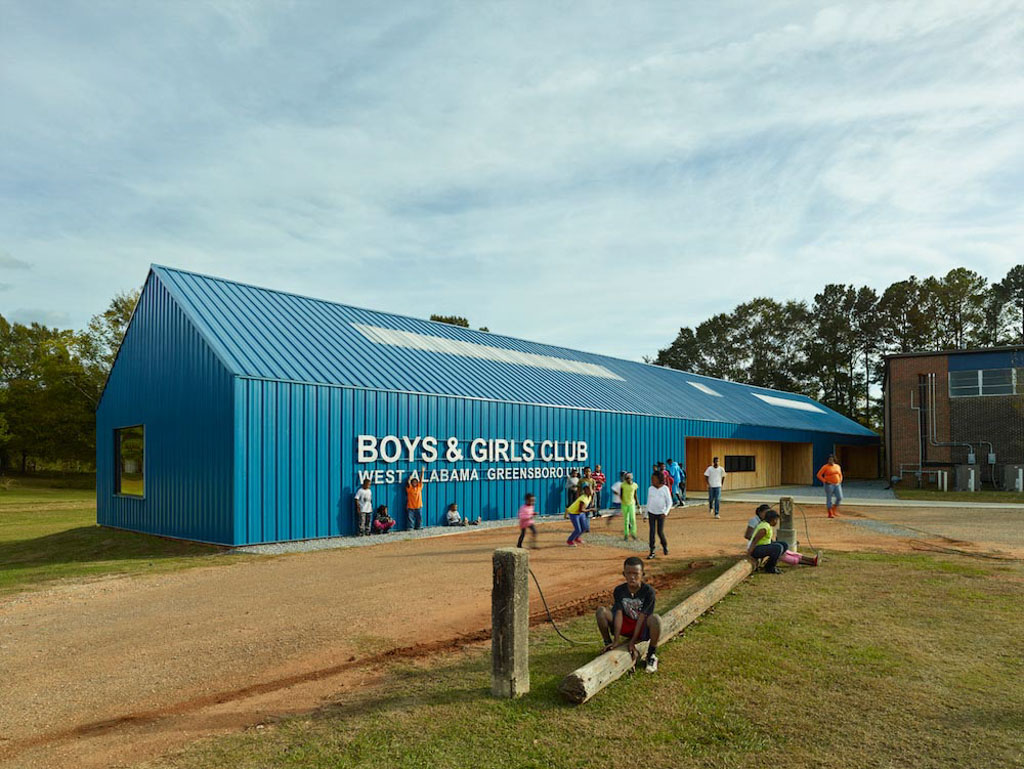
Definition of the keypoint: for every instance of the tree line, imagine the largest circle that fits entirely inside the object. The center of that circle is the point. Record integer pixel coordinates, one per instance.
(50, 385)
(832, 349)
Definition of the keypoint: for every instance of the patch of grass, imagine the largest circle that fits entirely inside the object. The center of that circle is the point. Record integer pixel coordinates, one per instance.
(934, 495)
(48, 479)
(48, 534)
(869, 661)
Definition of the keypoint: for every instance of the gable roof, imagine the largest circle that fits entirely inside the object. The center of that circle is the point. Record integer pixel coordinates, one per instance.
(266, 334)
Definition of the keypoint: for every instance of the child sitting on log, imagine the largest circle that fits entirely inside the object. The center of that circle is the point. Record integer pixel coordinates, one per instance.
(632, 616)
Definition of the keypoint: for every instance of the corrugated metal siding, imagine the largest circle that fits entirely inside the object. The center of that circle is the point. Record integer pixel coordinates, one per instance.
(298, 473)
(986, 360)
(268, 334)
(167, 378)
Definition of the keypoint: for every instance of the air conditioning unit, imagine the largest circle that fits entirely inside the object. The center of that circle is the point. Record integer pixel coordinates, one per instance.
(966, 478)
(1013, 477)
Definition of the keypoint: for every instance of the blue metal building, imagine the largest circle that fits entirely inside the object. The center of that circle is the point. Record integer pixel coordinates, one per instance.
(241, 415)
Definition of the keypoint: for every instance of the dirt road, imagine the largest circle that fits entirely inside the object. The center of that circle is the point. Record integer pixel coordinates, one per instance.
(116, 671)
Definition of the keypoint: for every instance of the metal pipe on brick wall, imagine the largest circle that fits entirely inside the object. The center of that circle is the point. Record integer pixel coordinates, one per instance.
(920, 449)
(970, 446)
(931, 407)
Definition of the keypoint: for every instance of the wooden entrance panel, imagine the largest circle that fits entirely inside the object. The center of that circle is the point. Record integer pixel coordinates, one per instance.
(858, 462)
(767, 462)
(798, 463)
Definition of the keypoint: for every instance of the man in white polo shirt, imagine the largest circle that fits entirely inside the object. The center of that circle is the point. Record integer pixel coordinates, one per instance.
(716, 477)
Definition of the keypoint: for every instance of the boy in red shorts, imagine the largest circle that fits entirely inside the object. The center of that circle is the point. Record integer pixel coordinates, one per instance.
(632, 616)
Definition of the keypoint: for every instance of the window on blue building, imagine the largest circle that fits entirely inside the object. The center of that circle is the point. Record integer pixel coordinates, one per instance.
(129, 461)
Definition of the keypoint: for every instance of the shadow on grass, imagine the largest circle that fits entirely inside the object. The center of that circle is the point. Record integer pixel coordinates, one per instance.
(468, 681)
(461, 683)
(87, 544)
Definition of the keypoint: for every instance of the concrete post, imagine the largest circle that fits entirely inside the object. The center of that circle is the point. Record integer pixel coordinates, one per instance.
(510, 623)
(787, 531)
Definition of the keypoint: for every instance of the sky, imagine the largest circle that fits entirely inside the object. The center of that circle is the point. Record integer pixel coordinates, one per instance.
(587, 174)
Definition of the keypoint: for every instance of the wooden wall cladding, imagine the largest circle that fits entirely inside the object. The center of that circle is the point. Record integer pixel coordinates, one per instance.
(858, 462)
(700, 451)
(798, 463)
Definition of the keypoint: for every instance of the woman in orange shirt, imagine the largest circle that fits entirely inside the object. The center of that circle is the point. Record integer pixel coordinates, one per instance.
(831, 475)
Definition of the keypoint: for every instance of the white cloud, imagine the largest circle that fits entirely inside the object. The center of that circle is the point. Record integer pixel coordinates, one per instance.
(573, 177)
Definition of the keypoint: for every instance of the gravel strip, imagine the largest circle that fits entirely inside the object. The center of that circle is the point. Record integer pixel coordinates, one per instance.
(331, 543)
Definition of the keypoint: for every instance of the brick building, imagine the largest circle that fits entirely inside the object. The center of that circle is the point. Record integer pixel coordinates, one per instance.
(945, 409)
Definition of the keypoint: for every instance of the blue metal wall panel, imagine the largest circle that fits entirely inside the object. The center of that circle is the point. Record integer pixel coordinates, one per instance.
(968, 361)
(168, 379)
(300, 440)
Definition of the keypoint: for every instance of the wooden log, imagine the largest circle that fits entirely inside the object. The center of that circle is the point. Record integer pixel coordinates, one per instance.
(510, 623)
(787, 526)
(580, 685)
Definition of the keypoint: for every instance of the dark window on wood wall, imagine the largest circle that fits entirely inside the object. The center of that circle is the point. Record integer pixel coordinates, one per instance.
(740, 464)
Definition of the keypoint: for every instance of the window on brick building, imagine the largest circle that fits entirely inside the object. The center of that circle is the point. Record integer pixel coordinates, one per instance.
(963, 383)
(995, 381)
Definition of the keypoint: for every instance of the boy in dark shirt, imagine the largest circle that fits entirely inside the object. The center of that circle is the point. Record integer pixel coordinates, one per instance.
(632, 615)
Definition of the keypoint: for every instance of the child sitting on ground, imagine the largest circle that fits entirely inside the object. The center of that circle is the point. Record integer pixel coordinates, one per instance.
(753, 522)
(632, 615)
(383, 522)
(761, 546)
(452, 517)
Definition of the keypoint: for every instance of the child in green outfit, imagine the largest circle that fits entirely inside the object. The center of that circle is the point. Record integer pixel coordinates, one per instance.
(630, 502)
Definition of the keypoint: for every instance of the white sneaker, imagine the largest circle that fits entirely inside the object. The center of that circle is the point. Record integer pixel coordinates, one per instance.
(652, 663)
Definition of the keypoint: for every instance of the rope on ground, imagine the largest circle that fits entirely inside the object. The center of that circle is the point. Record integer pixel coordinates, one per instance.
(550, 618)
(807, 529)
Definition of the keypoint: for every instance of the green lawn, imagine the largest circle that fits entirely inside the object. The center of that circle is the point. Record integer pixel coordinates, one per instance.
(960, 496)
(866, 661)
(48, 534)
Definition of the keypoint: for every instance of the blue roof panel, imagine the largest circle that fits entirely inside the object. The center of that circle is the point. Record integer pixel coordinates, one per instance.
(275, 335)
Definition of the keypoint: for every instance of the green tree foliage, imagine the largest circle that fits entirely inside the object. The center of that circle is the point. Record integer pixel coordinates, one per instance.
(958, 302)
(96, 347)
(454, 320)
(904, 309)
(45, 407)
(833, 349)
(50, 383)
(1012, 289)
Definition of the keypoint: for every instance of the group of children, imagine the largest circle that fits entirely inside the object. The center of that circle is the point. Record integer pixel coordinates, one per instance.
(761, 542)
(667, 490)
(369, 522)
